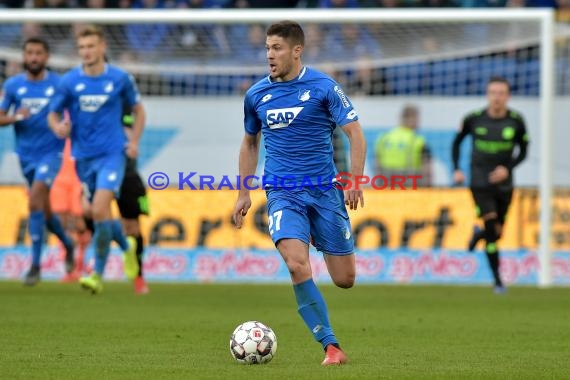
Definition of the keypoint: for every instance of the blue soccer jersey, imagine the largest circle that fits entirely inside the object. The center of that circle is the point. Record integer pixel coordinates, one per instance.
(297, 119)
(95, 105)
(34, 138)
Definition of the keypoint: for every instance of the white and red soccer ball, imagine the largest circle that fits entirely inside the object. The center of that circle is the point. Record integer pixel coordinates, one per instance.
(253, 342)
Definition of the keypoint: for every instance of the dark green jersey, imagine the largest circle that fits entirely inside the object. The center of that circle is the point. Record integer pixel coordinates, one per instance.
(493, 144)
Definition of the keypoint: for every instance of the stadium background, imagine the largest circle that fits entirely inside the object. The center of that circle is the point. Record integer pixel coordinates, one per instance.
(188, 72)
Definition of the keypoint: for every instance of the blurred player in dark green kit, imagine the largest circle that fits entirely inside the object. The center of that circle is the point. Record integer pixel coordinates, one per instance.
(495, 130)
(133, 202)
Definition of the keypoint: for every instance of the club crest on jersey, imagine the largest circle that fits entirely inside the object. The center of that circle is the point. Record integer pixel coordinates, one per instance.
(92, 103)
(49, 91)
(304, 95)
(108, 87)
(282, 117)
(35, 105)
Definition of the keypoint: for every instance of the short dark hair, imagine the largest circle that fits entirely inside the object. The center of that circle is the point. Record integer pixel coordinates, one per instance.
(288, 30)
(36, 40)
(498, 79)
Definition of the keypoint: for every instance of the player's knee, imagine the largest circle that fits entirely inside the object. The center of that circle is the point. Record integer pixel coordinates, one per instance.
(490, 215)
(346, 281)
(298, 269)
(296, 257)
(100, 213)
(37, 203)
(132, 227)
(39, 198)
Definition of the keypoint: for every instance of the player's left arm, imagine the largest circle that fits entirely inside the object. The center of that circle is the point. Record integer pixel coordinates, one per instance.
(342, 112)
(57, 122)
(357, 141)
(139, 119)
(133, 98)
(502, 172)
(521, 139)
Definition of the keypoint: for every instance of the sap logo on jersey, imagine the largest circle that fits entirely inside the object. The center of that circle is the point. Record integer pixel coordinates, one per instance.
(35, 105)
(282, 117)
(92, 103)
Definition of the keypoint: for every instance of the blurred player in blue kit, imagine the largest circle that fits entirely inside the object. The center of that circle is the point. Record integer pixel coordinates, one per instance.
(94, 94)
(297, 108)
(28, 95)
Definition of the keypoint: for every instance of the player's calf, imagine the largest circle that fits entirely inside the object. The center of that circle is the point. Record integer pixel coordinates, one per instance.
(295, 253)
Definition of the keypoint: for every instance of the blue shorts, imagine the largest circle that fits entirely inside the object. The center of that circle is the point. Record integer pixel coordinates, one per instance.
(103, 172)
(43, 170)
(320, 213)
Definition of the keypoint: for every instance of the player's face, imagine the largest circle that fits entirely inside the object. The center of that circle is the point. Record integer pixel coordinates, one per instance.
(91, 50)
(498, 95)
(412, 121)
(35, 58)
(283, 58)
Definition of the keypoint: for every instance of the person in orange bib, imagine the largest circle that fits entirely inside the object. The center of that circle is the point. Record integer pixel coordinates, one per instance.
(66, 201)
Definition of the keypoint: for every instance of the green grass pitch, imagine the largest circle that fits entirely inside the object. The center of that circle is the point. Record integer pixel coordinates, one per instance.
(56, 331)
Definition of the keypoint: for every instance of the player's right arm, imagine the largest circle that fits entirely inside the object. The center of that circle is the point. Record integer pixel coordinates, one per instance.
(60, 126)
(248, 156)
(7, 102)
(19, 115)
(458, 176)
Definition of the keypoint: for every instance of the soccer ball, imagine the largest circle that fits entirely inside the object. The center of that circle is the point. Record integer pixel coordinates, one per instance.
(253, 343)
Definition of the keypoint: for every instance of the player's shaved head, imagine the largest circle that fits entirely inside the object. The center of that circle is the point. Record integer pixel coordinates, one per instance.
(288, 30)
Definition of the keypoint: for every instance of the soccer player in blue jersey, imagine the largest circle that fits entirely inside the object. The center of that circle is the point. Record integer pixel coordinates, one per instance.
(94, 94)
(26, 97)
(297, 108)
